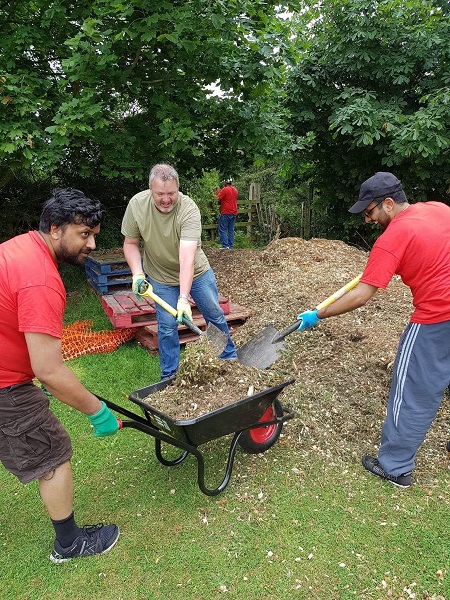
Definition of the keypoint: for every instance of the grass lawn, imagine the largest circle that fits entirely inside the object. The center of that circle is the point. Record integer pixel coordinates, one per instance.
(288, 524)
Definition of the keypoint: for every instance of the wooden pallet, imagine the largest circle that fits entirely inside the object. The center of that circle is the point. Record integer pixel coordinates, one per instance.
(148, 336)
(111, 262)
(109, 272)
(114, 285)
(125, 310)
(94, 272)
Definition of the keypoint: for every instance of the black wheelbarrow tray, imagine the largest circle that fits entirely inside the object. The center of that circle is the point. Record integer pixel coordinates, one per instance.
(256, 422)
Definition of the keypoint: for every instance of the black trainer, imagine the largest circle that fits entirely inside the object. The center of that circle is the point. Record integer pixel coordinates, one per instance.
(94, 539)
(371, 464)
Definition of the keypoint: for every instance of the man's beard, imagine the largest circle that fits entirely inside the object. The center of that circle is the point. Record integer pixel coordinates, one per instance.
(78, 260)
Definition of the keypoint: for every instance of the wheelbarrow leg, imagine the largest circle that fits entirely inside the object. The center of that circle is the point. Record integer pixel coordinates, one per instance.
(188, 449)
(201, 468)
(164, 461)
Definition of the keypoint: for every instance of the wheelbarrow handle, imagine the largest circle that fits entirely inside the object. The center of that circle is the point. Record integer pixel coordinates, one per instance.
(170, 309)
(335, 296)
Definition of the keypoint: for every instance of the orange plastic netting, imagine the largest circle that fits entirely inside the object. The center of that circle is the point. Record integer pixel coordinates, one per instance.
(79, 339)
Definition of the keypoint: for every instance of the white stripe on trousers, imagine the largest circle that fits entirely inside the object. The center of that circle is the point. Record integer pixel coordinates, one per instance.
(402, 368)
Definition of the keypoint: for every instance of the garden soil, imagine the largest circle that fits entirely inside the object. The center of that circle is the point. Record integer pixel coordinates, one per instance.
(342, 367)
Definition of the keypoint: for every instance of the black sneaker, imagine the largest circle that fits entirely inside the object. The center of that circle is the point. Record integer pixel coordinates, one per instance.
(371, 464)
(94, 539)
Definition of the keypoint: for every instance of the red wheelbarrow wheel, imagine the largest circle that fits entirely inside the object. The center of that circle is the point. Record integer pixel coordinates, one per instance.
(260, 439)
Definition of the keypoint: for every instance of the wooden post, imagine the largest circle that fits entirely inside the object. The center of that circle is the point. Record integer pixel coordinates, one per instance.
(307, 214)
(254, 196)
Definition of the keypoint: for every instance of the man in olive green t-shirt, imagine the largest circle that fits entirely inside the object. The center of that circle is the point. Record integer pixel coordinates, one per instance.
(169, 224)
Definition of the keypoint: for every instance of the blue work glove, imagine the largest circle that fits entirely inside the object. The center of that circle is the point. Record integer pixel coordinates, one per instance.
(183, 308)
(104, 422)
(309, 319)
(138, 280)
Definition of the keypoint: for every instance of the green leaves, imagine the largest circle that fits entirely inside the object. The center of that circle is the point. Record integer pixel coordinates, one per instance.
(373, 88)
(78, 75)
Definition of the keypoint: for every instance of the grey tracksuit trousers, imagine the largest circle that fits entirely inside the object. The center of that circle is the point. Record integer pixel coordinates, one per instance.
(421, 375)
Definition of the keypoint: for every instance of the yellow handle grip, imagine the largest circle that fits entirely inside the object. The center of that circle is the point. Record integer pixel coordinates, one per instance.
(160, 301)
(187, 322)
(350, 285)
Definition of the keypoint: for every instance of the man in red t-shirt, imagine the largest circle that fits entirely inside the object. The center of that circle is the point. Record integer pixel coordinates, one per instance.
(415, 244)
(33, 443)
(227, 198)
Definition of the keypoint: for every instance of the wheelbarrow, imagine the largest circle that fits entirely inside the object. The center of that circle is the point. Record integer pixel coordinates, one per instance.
(256, 422)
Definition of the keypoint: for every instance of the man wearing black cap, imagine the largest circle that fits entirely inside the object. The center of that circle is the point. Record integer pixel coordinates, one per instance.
(415, 244)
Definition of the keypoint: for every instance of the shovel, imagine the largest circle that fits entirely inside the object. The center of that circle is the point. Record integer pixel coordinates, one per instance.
(216, 337)
(263, 349)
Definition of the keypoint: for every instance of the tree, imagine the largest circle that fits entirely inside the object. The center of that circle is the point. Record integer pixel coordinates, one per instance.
(109, 87)
(371, 92)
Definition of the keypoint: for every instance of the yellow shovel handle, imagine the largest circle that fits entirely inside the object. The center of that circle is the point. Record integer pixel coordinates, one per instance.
(350, 285)
(170, 309)
(150, 294)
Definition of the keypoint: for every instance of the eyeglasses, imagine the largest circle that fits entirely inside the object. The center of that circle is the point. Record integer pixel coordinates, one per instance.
(366, 214)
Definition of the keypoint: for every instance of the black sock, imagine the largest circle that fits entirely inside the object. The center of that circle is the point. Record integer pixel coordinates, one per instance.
(66, 530)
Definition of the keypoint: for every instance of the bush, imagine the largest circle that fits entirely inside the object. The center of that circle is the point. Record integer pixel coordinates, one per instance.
(200, 190)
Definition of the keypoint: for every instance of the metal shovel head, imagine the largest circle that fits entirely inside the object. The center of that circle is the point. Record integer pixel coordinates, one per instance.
(259, 351)
(217, 338)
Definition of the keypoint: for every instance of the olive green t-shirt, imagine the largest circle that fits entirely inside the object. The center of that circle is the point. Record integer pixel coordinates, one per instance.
(161, 234)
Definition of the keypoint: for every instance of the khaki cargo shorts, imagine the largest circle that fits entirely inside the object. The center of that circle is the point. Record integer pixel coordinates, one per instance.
(33, 442)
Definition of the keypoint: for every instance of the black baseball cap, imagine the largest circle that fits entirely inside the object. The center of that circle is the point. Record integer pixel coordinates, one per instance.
(380, 184)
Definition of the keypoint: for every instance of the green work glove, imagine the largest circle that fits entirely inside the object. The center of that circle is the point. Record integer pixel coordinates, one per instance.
(104, 422)
(138, 280)
(183, 308)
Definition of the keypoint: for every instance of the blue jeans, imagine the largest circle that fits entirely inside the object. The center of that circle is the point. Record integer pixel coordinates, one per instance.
(226, 230)
(206, 297)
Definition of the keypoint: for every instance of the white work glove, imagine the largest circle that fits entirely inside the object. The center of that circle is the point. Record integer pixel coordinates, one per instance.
(183, 308)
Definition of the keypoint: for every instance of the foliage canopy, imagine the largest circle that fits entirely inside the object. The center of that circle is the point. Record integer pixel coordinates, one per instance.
(110, 87)
(370, 92)
(321, 94)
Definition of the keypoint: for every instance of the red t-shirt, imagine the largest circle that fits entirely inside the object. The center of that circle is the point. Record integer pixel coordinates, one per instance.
(416, 246)
(32, 299)
(228, 200)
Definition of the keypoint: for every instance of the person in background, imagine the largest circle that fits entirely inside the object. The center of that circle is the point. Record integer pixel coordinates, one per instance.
(33, 443)
(173, 262)
(415, 244)
(227, 198)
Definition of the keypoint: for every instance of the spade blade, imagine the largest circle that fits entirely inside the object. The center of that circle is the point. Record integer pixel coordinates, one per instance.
(260, 351)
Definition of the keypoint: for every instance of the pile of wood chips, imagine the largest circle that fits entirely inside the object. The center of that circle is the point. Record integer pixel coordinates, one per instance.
(205, 383)
(343, 366)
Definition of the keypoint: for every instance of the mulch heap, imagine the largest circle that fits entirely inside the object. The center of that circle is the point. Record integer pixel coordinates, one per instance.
(205, 383)
(343, 366)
